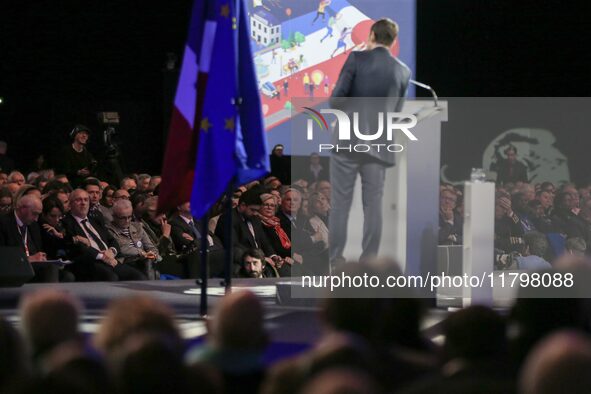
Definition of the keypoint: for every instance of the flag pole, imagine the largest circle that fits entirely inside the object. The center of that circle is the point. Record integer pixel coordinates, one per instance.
(203, 268)
(228, 257)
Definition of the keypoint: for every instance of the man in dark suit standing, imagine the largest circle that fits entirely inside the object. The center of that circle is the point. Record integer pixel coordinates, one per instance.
(94, 249)
(372, 73)
(20, 229)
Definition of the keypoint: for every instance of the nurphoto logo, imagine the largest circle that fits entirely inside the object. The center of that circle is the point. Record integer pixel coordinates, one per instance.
(381, 139)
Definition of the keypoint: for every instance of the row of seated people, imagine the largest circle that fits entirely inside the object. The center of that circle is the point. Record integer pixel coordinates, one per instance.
(532, 222)
(110, 234)
(138, 347)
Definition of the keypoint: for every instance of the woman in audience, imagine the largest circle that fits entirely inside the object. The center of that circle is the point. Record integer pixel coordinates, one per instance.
(107, 197)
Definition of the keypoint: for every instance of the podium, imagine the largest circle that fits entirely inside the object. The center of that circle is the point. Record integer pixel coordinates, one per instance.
(411, 196)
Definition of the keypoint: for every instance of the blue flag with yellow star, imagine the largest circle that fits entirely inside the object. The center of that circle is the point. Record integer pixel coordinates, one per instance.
(231, 142)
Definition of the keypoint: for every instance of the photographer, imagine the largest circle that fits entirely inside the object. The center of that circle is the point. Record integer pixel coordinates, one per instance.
(75, 160)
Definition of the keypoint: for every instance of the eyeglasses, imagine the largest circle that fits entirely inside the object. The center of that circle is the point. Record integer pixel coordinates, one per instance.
(269, 205)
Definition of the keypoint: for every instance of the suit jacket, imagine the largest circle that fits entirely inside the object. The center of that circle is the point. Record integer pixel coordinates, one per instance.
(374, 73)
(138, 237)
(10, 235)
(80, 252)
(242, 238)
(178, 227)
(507, 173)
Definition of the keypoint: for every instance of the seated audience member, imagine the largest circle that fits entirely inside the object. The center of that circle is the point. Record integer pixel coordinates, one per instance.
(390, 349)
(309, 248)
(154, 182)
(325, 188)
(133, 315)
(138, 200)
(52, 230)
(539, 218)
(508, 230)
(50, 318)
(272, 226)
(31, 177)
(559, 364)
(519, 202)
(450, 222)
(15, 369)
(579, 226)
(3, 178)
(129, 184)
(93, 250)
(341, 380)
(272, 183)
(143, 184)
(16, 177)
(63, 178)
(20, 229)
(571, 189)
(135, 247)
(536, 252)
(120, 194)
(157, 227)
(96, 210)
(40, 182)
(187, 236)
(13, 188)
(107, 196)
(25, 190)
(319, 206)
(147, 364)
(254, 266)
(5, 200)
(575, 246)
(563, 211)
(247, 230)
(236, 341)
(475, 355)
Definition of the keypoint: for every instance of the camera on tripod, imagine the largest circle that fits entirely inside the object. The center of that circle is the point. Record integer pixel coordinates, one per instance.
(109, 120)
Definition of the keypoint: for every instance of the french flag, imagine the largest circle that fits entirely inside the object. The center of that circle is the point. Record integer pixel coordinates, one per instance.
(216, 137)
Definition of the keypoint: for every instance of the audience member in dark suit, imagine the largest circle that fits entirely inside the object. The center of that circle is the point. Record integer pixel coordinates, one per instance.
(186, 233)
(52, 230)
(309, 252)
(315, 172)
(247, 230)
(93, 249)
(450, 222)
(510, 170)
(20, 229)
(280, 165)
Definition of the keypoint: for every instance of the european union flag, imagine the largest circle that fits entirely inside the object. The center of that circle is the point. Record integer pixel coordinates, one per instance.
(231, 143)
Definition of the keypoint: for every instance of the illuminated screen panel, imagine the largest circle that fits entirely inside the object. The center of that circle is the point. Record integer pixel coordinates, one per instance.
(300, 46)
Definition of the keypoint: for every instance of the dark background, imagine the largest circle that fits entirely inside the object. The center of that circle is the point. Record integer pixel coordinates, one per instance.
(62, 61)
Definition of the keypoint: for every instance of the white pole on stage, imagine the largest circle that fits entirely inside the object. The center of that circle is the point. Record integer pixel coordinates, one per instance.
(478, 251)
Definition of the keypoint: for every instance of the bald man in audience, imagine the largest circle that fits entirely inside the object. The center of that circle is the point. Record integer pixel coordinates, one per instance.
(16, 177)
(20, 229)
(93, 250)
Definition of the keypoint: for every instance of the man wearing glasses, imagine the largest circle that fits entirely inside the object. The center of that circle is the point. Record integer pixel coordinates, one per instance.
(94, 251)
(135, 247)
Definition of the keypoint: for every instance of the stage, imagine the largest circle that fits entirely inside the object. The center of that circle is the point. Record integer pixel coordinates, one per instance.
(292, 329)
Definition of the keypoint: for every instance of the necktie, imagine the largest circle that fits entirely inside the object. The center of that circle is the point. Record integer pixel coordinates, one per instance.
(95, 237)
(251, 229)
(196, 232)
